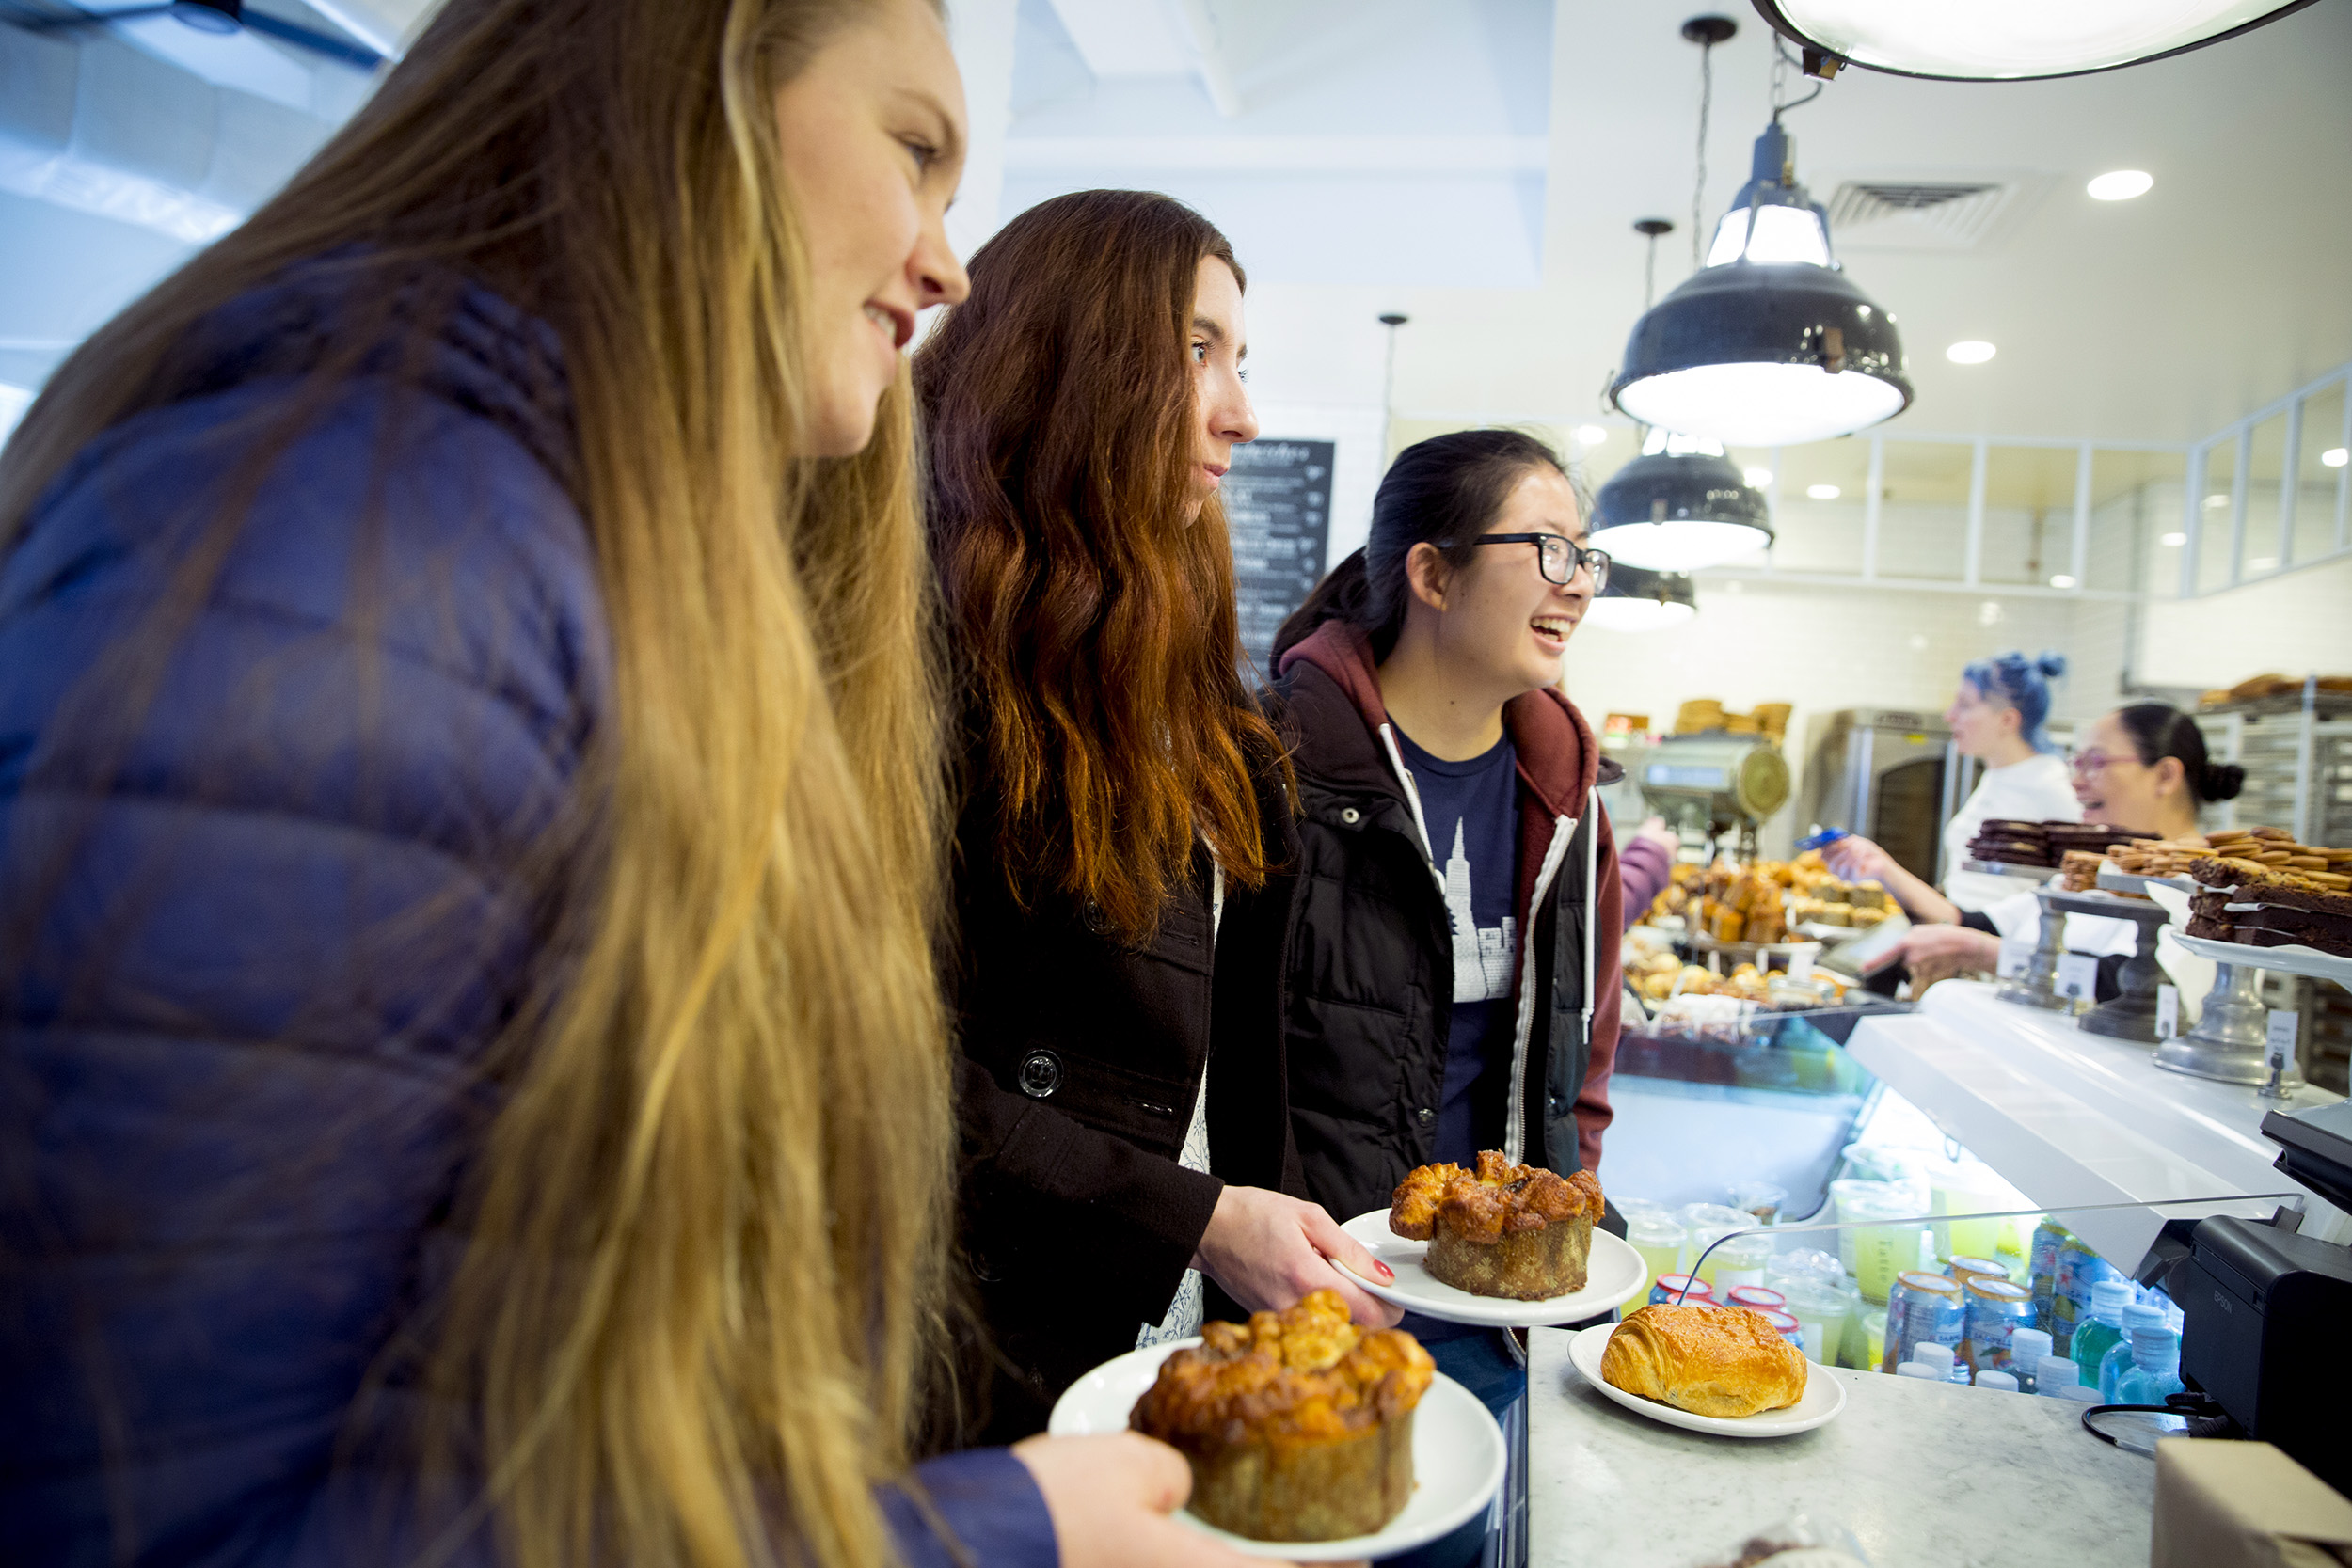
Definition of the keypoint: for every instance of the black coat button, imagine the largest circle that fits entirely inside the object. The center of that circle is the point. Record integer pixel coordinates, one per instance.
(1350, 816)
(1041, 1074)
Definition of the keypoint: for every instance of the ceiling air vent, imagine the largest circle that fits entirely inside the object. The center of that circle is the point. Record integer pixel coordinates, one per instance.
(1944, 211)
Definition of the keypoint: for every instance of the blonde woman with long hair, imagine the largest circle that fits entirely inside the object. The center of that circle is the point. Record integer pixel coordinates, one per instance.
(473, 1078)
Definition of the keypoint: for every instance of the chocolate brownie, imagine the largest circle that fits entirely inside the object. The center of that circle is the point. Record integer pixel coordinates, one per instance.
(2291, 920)
(2278, 890)
(2212, 928)
(2250, 937)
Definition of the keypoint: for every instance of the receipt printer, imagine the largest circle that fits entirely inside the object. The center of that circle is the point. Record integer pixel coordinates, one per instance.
(2267, 1309)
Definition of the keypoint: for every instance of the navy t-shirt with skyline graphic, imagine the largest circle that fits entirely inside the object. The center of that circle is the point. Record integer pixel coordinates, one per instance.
(1472, 810)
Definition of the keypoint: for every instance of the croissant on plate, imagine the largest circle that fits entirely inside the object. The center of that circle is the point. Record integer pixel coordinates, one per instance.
(1723, 1361)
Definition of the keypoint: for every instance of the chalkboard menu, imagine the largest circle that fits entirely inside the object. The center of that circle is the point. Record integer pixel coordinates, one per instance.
(1278, 502)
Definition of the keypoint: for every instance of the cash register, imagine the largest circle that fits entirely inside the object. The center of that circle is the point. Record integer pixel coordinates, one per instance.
(2267, 1334)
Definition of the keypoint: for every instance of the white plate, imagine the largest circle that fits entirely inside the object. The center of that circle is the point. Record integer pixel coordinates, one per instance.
(1614, 1275)
(2284, 960)
(1458, 1458)
(1824, 1397)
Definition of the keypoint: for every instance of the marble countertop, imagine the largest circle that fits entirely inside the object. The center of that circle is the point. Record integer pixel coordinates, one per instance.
(1926, 1475)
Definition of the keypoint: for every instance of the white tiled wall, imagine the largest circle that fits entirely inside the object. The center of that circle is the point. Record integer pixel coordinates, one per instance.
(2296, 625)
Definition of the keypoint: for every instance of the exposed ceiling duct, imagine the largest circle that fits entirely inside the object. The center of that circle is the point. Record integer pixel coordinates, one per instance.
(96, 125)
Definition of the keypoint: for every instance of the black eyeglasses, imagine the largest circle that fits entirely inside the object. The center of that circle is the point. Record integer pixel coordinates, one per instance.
(1557, 556)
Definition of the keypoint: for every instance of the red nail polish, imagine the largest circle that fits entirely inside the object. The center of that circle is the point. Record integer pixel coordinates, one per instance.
(1385, 1272)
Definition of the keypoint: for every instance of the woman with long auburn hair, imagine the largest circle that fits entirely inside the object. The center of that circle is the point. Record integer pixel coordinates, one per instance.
(1122, 1093)
(472, 1080)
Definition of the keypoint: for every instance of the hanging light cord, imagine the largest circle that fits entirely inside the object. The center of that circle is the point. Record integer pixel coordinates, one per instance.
(1649, 276)
(1707, 104)
(1781, 65)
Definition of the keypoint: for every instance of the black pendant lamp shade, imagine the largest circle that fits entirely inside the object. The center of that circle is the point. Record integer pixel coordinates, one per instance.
(1679, 510)
(1770, 344)
(1636, 600)
(2007, 40)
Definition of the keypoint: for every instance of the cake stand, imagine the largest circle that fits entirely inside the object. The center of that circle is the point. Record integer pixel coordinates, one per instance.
(2237, 970)
(2038, 986)
(2131, 1016)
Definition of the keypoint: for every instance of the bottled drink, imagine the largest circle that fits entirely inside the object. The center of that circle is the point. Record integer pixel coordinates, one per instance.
(2094, 1339)
(1927, 1352)
(2118, 1359)
(2027, 1347)
(2054, 1375)
(1996, 1309)
(2003, 1381)
(1922, 1307)
(2155, 1370)
(2041, 1266)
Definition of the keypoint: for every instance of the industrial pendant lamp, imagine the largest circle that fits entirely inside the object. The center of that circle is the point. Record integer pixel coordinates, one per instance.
(1679, 506)
(1636, 600)
(1768, 342)
(2007, 40)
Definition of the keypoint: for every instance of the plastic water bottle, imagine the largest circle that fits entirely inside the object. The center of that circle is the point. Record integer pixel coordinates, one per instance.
(1919, 1370)
(2054, 1375)
(1928, 1353)
(2094, 1339)
(2027, 1347)
(2002, 1381)
(2118, 1359)
(2156, 1370)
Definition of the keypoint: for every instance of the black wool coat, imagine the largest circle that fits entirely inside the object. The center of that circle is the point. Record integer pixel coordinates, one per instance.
(1082, 1056)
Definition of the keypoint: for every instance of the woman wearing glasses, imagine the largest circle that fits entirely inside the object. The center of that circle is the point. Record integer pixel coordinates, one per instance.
(1451, 963)
(2142, 767)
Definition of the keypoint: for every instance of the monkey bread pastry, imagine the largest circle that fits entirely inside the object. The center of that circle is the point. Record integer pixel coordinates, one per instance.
(1723, 1361)
(1299, 1425)
(1504, 1231)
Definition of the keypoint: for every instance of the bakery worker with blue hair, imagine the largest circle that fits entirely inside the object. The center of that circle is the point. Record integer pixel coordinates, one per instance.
(1999, 717)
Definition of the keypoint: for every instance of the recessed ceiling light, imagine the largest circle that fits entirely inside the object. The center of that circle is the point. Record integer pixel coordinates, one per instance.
(2262, 563)
(2212, 501)
(2173, 540)
(1973, 352)
(2334, 457)
(2061, 581)
(1988, 612)
(1591, 434)
(1821, 492)
(2120, 186)
(1761, 479)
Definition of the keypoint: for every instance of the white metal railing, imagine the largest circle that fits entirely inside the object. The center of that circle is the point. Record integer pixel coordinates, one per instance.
(2200, 531)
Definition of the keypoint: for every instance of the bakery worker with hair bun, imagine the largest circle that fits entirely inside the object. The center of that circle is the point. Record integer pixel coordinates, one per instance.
(2000, 716)
(2142, 767)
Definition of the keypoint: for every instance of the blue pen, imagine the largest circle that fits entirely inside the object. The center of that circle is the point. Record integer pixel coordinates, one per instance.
(1822, 840)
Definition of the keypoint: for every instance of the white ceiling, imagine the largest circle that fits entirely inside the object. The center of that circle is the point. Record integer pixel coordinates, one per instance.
(2158, 319)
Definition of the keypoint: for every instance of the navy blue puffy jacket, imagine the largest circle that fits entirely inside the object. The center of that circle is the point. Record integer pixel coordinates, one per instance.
(238, 1074)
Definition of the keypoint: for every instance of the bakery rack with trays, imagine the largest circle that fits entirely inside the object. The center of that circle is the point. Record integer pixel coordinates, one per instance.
(2297, 756)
